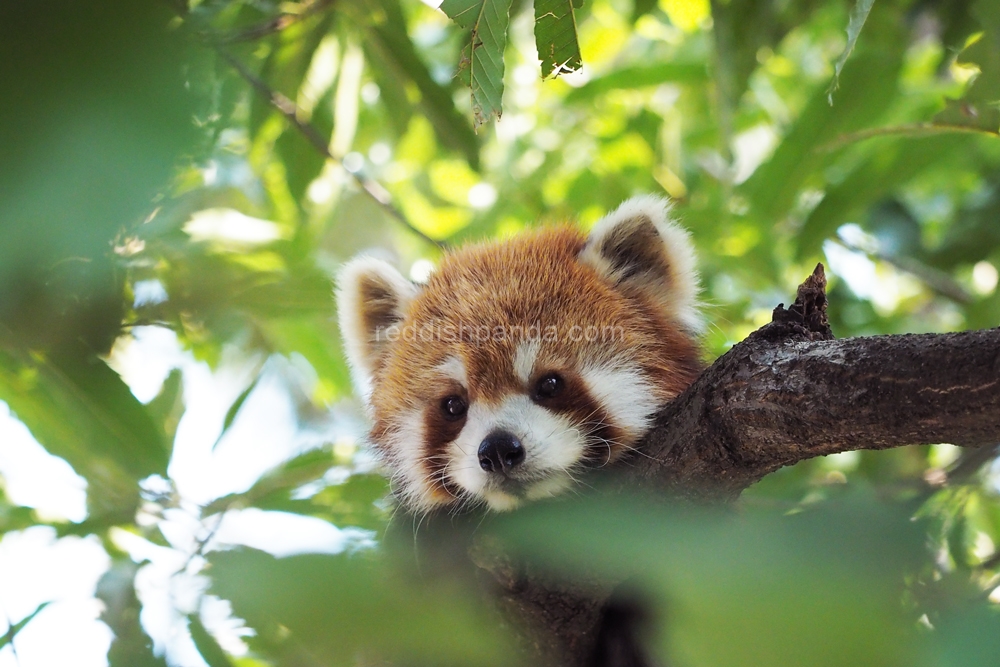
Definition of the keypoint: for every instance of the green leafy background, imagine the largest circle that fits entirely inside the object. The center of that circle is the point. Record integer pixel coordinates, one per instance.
(140, 144)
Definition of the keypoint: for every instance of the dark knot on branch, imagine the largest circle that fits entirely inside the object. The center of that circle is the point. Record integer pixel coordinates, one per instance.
(806, 317)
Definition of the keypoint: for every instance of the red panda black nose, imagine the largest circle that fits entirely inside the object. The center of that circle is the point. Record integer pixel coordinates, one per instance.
(500, 452)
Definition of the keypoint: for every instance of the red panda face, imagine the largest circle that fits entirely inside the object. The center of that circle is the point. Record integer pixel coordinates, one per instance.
(524, 361)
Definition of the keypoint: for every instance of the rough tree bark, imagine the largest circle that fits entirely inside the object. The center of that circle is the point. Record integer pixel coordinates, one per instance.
(788, 392)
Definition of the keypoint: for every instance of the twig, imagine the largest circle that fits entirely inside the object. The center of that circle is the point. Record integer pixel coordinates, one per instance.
(939, 281)
(8, 637)
(149, 323)
(290, 111)
(909, 129)
(272, 25)
(202, 544)
(970, 463)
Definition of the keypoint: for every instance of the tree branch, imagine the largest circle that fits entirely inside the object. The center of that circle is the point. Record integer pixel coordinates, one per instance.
(787, 393)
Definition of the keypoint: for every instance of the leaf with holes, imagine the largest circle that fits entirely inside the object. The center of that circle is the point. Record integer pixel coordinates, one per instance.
(481, 65)
(555, 37)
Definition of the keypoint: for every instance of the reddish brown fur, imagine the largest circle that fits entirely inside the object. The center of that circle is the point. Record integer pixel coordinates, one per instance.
(534, 278)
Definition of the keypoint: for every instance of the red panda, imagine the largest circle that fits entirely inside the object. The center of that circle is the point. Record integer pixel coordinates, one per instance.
(523, 361)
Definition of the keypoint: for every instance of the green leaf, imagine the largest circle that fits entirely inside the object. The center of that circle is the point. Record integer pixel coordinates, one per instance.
(957, 539)
(79, 409)
(131, 646)
(740, 29)
(968, 636)
(14, 517)
(234, 409)
(318, 340)
(206, 644)
(555, 37)
(302, 162)
(866, 96)
(894, 163)
(392, 90)
(110, 77)
(15, 628)
(287, 64)
(980, 107)
(390, 39)
(752, 589)
(168, 406)
(857, 21)
(360, 501)
(340, 608)
(482, 56)
(290, 475)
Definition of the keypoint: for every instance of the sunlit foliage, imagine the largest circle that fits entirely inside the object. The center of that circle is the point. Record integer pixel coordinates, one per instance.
(204, 167)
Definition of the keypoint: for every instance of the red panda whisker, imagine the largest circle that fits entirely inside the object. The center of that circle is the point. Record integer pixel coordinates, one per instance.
(395, 511)
(634, 450)
(577, 482)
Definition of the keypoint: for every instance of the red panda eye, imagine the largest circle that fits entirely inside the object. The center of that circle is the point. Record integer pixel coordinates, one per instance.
(454, 407)
(549, 386)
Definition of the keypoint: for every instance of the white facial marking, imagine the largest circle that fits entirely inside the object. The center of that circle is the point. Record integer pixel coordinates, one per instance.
(524, 359)
(454, 369)
(552, 444)
(624, 392)
(549, 487)
(500, 501)
(409, 473)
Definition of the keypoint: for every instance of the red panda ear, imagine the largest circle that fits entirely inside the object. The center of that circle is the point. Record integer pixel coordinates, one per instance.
(638, 249)
(372, 297)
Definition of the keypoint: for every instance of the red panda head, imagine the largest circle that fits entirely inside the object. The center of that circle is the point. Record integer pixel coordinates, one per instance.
(523, 361)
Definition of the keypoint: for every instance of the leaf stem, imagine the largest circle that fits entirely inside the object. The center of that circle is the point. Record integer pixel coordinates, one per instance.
(908, 129)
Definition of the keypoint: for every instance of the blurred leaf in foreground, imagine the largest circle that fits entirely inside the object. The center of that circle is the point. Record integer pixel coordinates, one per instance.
(208, 647)
(337, 608)
(81, 410)
(95, 117)
(281, 480)
(820, 588)
(131, 647)
(969, 637)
